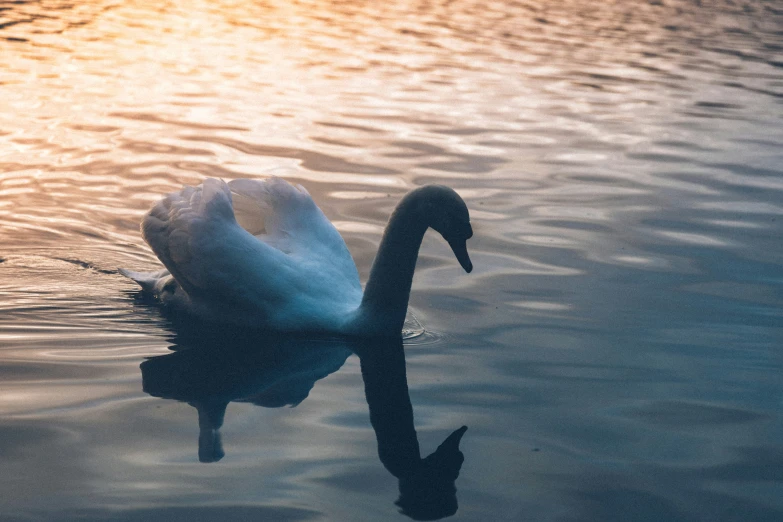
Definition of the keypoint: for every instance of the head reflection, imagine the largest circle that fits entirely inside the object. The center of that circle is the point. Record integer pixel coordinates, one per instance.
(210, 370)
(427, 490)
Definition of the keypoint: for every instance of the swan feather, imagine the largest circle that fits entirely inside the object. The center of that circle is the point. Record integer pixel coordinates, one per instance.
(295, 270)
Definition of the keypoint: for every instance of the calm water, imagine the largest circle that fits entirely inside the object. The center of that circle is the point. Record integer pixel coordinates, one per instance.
(616, 353)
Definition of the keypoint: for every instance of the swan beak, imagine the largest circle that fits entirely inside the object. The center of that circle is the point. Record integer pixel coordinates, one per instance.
(460, 249)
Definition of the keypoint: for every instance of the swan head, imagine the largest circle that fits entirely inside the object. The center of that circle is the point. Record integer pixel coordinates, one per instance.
(447, 214)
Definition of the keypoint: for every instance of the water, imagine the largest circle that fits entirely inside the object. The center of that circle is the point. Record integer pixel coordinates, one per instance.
(616, 353)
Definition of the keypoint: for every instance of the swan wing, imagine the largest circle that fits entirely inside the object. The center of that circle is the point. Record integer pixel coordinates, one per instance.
(196, 236)
(278, 277)
(286, 217)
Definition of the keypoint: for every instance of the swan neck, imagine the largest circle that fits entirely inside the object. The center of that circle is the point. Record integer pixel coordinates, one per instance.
(389, 286)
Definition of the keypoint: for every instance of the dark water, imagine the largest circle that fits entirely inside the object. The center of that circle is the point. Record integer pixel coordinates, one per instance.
(616, 353)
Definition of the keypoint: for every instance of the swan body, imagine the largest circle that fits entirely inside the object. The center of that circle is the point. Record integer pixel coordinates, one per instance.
(260, 253)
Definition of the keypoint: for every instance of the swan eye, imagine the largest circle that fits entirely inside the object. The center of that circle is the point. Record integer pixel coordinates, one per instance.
(457, 230)
(468, 231)
(464, 230)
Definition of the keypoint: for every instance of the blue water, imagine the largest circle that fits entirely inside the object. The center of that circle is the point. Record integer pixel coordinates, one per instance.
(615, 354)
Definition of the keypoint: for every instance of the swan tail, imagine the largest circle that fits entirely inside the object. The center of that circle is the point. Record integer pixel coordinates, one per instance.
(148, 281)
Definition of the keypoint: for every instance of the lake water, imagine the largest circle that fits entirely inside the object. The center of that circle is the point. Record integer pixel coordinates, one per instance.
(616, 353)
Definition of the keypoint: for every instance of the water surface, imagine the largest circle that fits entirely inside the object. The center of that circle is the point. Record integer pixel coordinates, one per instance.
(616, 353)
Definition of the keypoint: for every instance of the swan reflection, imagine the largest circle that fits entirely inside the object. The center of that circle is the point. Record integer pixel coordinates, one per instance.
(208, 375)
(209, 371)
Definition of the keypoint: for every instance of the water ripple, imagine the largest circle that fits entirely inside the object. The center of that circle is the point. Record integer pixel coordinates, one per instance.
(616, 350)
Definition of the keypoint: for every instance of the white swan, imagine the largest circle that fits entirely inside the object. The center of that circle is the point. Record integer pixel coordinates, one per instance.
(260, 253)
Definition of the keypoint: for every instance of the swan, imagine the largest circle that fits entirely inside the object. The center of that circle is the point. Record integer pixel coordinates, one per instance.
(260, 253)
